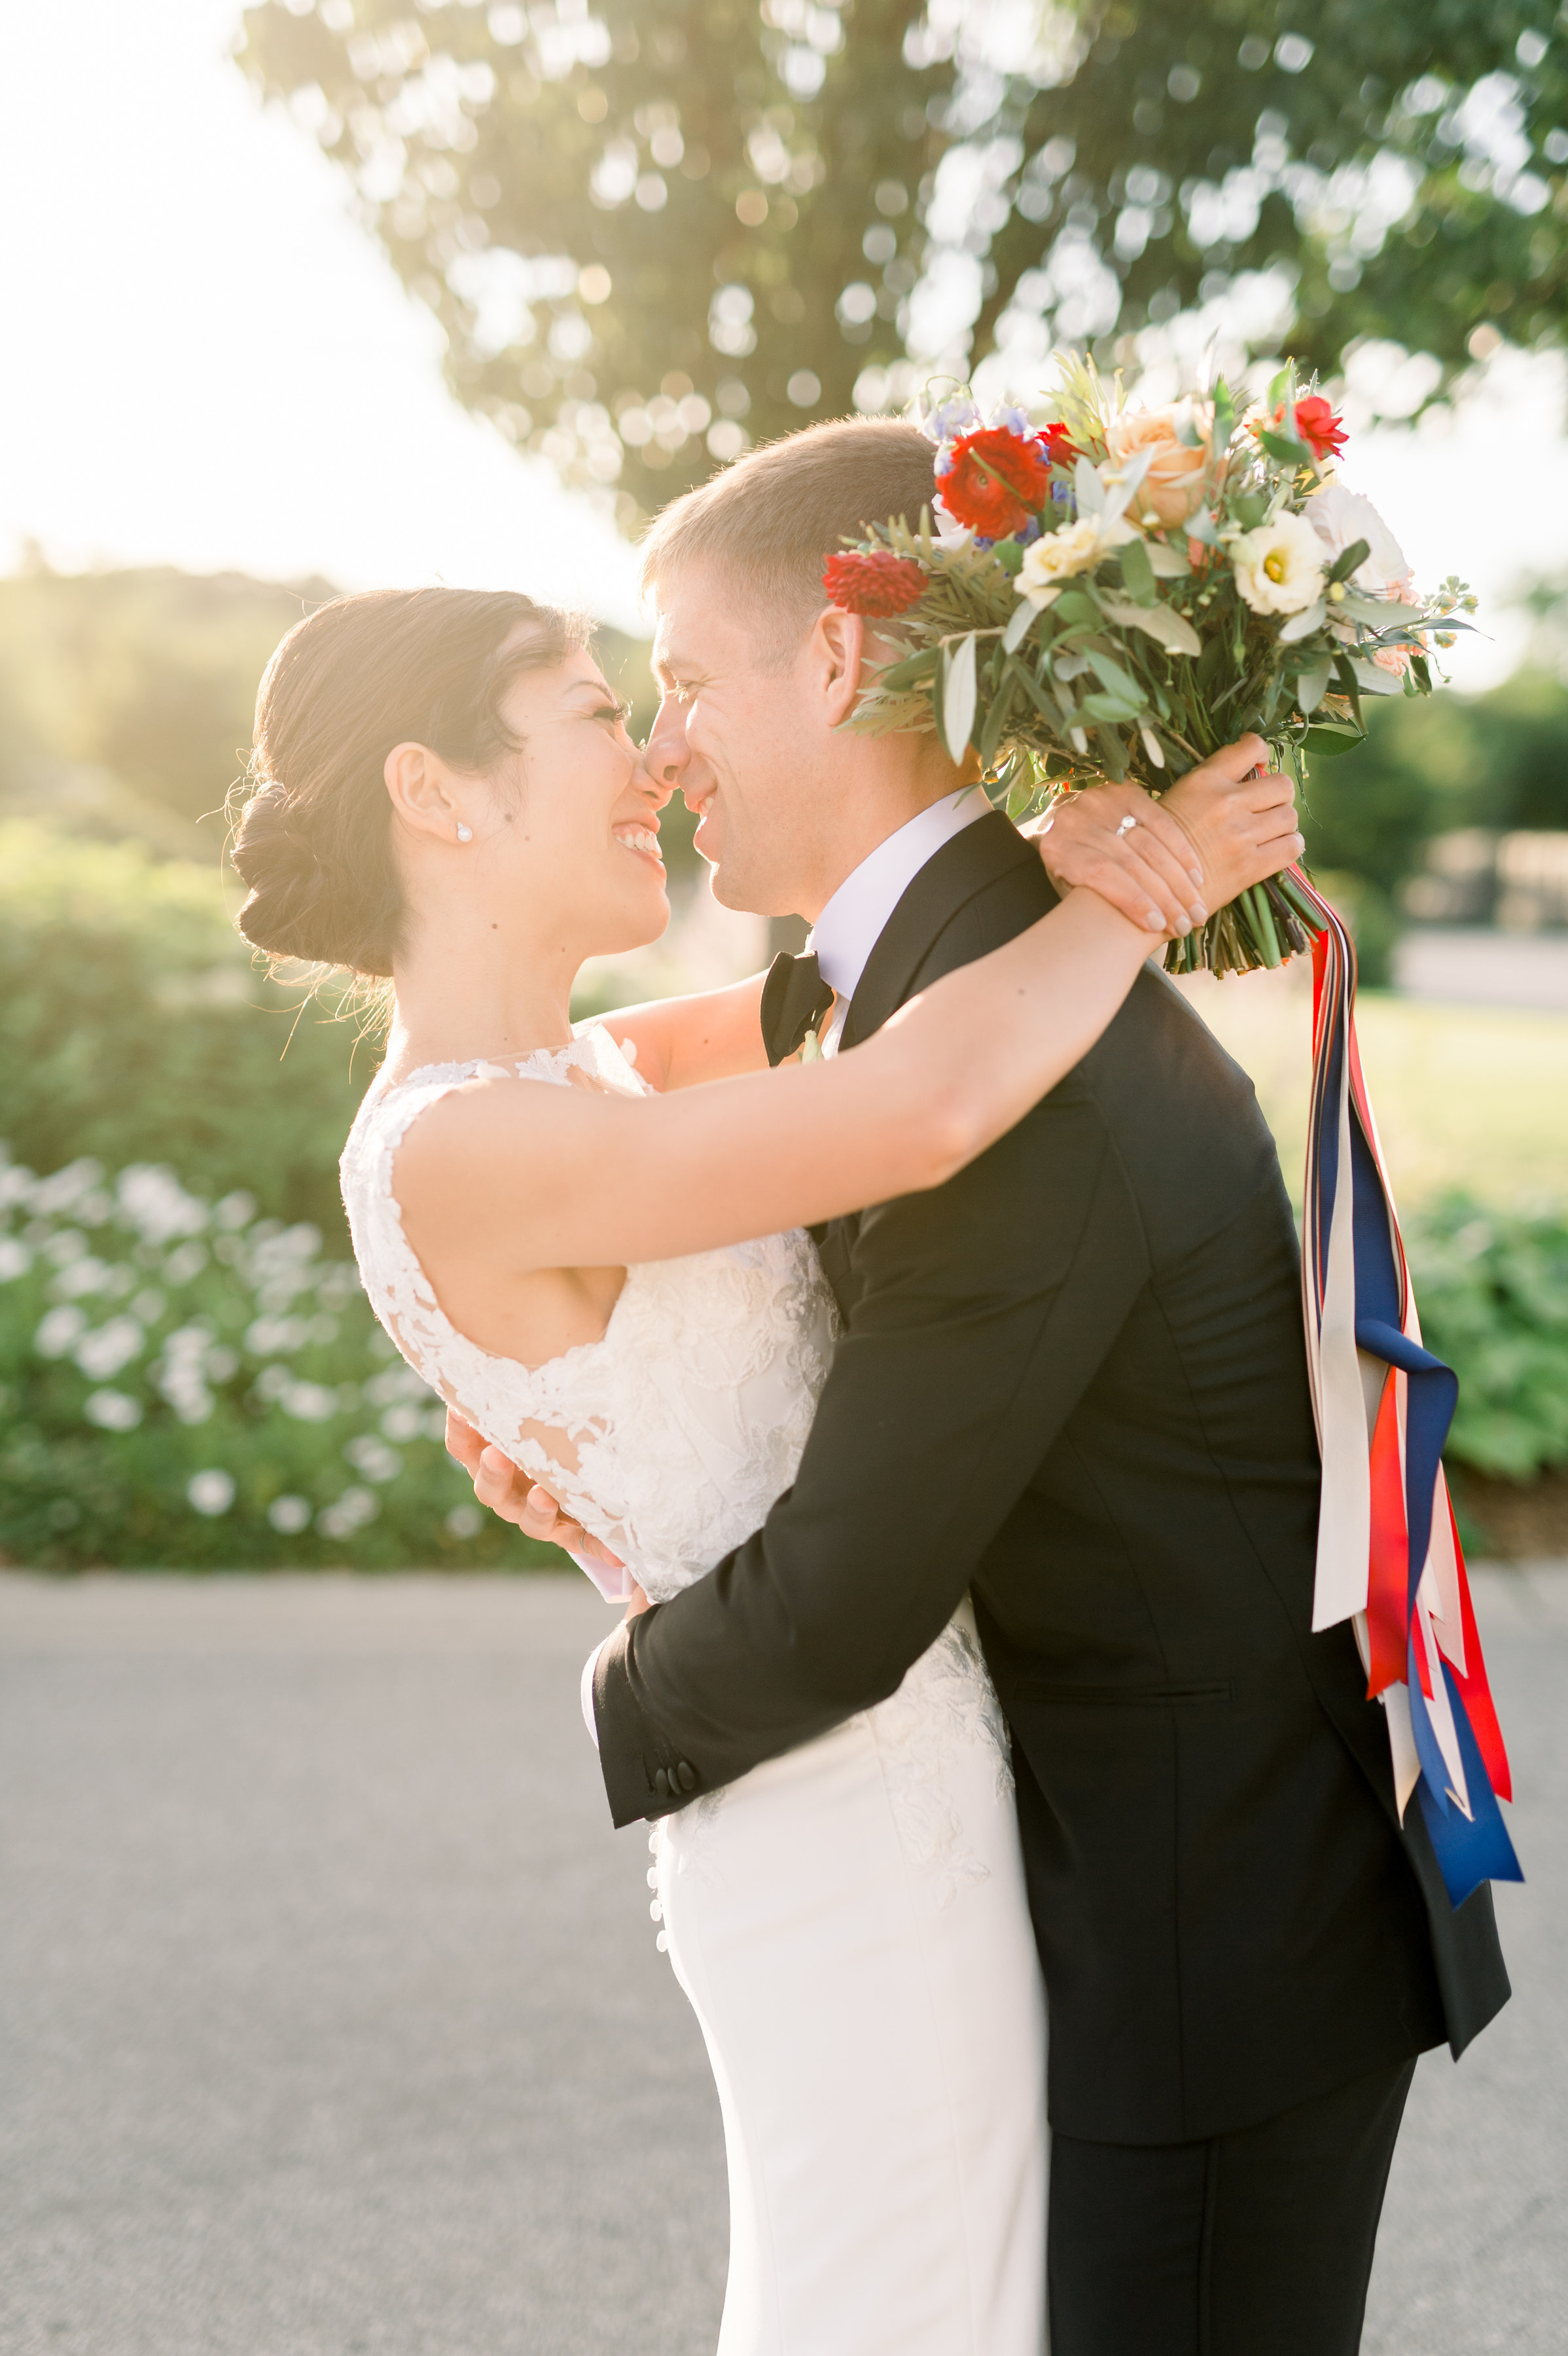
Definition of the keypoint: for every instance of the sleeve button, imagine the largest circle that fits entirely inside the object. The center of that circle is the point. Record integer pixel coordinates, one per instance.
(688, 1776)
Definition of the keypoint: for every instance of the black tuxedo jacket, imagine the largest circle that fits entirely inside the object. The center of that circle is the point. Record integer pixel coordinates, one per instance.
(1072, 1380)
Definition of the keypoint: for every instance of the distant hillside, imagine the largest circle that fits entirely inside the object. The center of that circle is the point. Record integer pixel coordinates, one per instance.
(126, 698)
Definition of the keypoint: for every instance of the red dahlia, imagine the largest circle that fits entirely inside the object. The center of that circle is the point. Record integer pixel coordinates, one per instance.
(997, 481)
(1317, 426)
(875, 585)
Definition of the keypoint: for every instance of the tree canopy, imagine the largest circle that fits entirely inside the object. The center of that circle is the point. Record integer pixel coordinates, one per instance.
(654, 230)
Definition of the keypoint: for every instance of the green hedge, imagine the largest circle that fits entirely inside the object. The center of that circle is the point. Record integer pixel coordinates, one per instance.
(135, 1027)
(186, 1385)
(1492, 1288)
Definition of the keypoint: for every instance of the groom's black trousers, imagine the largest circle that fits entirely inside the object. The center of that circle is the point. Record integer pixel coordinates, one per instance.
(1256, 2244)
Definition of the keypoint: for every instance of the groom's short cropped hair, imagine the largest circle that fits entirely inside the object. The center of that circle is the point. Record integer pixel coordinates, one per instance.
(768, 522)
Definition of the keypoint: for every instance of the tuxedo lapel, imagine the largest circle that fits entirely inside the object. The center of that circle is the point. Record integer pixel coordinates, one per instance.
(948, 879)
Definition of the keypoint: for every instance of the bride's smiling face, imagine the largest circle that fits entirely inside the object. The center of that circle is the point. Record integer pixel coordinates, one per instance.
(558, 846)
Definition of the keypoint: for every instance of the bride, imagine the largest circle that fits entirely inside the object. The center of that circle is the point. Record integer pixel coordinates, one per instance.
(591, 1243)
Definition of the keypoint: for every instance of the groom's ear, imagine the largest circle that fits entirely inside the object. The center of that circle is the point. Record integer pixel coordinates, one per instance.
(837, 653)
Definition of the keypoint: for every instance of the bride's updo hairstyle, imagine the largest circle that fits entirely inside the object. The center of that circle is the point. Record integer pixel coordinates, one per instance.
(398, 666)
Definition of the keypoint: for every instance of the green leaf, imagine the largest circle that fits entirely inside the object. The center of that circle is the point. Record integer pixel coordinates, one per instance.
(1167, 563)
(960, 693)
(1018, 628)
(1074, 606)
(1302, 625)
(1350, 559)
(996, 718)
(1372, 679)
(1224, 414)
(1289, 453)
(1045, 703)
(911, 672)
(1116, 710)
(1329, 739)
(1311, 687)
(1138, 573)
(1161, 623)
(1114, 678)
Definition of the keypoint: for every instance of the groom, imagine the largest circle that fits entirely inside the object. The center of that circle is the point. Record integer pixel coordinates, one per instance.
(1072, 1382)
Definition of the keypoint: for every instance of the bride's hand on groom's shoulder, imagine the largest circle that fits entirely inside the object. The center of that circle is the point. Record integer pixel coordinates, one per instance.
(1225, 825)
(1115, 841)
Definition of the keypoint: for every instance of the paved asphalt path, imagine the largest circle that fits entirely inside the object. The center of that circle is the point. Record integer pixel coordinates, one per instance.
(333, 2022)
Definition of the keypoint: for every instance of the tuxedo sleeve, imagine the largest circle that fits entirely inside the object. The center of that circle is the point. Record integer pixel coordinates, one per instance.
(982, 1310)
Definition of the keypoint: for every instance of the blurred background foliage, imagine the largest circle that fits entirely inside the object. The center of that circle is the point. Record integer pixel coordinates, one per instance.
(134, 1028)
(1430, 767)
(654, 229)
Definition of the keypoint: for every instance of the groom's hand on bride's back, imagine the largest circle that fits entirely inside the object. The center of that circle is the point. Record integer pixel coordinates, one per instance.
(517, 1498)
(1166, 865)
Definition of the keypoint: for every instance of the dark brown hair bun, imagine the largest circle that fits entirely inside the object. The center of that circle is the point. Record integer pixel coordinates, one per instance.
(313, 832)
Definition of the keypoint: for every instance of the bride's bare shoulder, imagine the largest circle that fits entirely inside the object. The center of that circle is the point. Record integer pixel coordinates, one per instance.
(492, 1138)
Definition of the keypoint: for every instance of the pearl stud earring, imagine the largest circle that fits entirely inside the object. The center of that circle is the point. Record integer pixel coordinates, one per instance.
(465, 834)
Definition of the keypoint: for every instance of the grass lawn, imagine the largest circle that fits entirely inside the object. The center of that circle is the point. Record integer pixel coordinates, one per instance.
(1473, 1097)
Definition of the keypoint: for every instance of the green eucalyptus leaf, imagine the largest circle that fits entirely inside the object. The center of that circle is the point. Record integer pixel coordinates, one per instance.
(1163, 622)
(1114, 677)
(1302, 625)
(1138, 573)
(1350, 559)
(960, 694)
(1311, 687)
(910, 672)
(1018, 628)
(1330, 739)
(1115, 710)
(1372, 679)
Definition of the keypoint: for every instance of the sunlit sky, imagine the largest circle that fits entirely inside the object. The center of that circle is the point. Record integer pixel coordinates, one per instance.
(211, 365)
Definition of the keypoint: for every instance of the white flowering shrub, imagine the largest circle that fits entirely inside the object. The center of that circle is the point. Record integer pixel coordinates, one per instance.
(186, 1385)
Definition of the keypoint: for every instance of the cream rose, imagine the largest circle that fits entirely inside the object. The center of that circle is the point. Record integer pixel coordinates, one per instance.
(1177, 479)
(1058, 556)
(1279, 567)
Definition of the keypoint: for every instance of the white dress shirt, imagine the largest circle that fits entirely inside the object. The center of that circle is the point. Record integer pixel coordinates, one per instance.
(853, 920)
(843, 937)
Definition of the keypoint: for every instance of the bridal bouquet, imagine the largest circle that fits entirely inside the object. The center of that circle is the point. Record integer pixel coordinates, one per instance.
(1117, 592)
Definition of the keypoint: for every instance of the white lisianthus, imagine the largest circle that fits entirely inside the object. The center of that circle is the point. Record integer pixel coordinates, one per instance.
(1060, 556)
(1340, 517)
(1280, 566)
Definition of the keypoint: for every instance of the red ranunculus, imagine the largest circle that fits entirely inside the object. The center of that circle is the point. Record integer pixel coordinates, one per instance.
(1317, 426)
(874, 583)
(1059, 450)
(997, 481)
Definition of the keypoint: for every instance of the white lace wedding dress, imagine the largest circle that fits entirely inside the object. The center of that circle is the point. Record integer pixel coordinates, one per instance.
(848, 1921)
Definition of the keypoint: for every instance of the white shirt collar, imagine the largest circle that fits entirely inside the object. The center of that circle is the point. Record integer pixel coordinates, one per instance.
(848, 928)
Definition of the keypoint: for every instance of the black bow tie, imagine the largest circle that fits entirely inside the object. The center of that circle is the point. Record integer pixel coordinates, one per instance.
(795, 1000)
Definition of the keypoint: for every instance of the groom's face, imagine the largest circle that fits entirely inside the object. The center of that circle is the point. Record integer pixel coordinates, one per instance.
(744, 733)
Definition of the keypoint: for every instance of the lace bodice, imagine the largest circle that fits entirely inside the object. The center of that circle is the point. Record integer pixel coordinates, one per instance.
(670, 1436)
